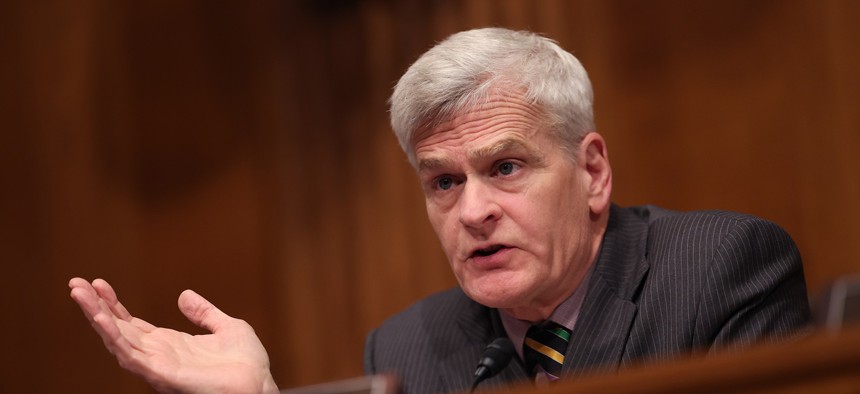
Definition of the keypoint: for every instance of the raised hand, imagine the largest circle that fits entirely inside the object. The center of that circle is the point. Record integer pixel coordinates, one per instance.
(229, 360)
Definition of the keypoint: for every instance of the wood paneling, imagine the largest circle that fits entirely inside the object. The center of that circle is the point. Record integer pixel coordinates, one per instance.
(243, 150)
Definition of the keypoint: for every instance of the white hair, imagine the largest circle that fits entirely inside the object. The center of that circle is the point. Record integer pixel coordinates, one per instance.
(461, 71)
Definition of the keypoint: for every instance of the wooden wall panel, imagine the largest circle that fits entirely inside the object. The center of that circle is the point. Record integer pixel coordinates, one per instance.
(243, 150)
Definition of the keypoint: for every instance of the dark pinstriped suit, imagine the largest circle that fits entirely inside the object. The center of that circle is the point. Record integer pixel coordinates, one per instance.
(665, 284)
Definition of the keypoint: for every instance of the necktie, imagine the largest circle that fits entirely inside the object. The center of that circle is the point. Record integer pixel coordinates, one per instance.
(544, 346)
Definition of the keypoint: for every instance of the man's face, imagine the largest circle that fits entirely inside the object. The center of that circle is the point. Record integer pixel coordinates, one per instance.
(509, 204)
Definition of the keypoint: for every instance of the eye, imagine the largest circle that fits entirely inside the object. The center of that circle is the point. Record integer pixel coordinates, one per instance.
(507, 167)
(444, 183)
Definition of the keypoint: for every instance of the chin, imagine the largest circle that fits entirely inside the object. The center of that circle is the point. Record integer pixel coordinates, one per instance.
(505, 289)
(492, 300)
(493, 294)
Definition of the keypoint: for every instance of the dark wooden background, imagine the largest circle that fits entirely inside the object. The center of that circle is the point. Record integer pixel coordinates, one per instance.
(243, 149)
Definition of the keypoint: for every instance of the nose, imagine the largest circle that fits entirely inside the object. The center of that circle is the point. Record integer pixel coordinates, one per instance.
(479, 210)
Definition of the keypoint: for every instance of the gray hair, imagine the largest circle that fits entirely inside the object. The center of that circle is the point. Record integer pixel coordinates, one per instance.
(461, 71)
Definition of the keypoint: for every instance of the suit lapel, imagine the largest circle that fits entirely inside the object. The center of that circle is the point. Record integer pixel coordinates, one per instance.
(480, 326)
(515, 371)
(609, 308)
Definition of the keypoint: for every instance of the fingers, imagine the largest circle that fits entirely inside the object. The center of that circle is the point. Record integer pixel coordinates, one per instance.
(78, 282)
(114, 339)
(96, 309)
(97, 298)
(86, 298)
(100, 306)
(106, 292)
(103, 322)
(201, 312)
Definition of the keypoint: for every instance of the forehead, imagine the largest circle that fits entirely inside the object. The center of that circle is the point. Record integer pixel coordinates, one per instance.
(502, 122)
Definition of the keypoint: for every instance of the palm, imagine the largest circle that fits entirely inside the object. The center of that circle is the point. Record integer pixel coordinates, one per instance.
(180, 360)
(230, 359)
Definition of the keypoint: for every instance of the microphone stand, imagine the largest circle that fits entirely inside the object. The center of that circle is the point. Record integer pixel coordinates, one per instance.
(495, 358)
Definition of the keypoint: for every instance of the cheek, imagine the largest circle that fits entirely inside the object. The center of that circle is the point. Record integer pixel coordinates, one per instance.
(536, 208)
(442, 226)
(548, 216)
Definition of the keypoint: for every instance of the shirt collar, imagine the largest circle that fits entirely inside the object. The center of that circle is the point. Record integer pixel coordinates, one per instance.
(566, 314)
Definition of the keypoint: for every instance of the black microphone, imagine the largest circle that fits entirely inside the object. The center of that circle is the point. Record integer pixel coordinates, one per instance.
(495, 358)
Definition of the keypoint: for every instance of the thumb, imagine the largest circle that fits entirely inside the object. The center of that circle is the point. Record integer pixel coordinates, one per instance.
(201, 312)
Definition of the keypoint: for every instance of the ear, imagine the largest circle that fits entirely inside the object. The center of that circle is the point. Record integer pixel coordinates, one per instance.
(594, 157)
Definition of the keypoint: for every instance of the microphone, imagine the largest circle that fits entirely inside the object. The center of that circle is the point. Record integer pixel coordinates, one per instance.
(495, 358)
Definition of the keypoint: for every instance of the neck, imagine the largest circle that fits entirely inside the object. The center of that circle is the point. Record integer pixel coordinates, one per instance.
(538, 311)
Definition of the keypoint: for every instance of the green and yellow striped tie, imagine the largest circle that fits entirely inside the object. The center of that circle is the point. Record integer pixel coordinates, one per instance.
(544, 346)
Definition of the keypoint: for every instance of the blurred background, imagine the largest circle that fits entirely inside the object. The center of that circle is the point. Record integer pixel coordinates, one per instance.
(242, 149)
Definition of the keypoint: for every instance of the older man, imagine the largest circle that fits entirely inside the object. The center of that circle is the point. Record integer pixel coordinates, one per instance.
(517, 183)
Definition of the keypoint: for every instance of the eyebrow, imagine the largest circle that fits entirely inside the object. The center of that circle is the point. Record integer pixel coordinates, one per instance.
(432, 163)
(506, 145)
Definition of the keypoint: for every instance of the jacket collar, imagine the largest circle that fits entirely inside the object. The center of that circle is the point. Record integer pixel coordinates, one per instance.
(480, 326)
(601, 332)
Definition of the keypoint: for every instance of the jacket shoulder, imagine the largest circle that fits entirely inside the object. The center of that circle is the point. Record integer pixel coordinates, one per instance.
(731, 279)
(699, 230)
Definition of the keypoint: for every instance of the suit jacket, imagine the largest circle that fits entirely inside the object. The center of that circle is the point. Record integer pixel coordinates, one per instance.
(665, 284)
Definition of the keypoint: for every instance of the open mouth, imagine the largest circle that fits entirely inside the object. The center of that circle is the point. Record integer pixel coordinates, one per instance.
(488, 251)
